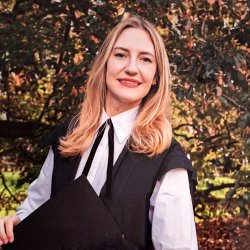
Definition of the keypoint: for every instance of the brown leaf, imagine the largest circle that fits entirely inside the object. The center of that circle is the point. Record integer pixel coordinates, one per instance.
(94, 39)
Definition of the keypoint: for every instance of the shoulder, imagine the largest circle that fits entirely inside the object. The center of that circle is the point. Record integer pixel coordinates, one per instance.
(175, 157)
(53, 137)
(175, 151)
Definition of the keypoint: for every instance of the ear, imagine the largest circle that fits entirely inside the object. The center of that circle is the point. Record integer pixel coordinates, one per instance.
(156, 79)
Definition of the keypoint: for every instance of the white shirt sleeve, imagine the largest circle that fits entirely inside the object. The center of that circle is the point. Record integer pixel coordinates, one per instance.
(171, 213)
(39, 190)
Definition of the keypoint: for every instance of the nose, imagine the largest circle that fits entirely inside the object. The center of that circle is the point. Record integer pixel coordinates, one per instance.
(132, 67)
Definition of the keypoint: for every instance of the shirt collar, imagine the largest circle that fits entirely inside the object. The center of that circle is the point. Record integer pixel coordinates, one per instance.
(123, 123)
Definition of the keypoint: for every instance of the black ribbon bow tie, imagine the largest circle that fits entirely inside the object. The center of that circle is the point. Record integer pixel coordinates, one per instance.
(97, 141)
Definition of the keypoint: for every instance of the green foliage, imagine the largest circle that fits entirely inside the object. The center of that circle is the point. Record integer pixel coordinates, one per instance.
(9, 192)
(243, 202)
(46, 51)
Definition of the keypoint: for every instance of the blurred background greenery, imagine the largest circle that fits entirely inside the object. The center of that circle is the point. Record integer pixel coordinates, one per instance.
(46, 51)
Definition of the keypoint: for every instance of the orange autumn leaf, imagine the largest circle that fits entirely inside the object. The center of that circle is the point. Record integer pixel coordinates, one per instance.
(94, 39)
(74, 91)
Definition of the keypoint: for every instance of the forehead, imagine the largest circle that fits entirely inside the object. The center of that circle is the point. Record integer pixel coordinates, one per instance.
(135, 39)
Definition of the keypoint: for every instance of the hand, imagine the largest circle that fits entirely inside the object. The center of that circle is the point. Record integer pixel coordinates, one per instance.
(7, 225)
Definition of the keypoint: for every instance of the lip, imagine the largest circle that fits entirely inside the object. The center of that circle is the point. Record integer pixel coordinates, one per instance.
(129, 80)
(125, 82)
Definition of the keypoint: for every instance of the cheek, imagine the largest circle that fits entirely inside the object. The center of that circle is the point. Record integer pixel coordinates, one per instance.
(108, 70)
(150, 75)
(148, 71)
(113, 68)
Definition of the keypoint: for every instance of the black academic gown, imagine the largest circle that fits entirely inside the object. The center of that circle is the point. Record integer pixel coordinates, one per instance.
(123, 219)
(73, 219)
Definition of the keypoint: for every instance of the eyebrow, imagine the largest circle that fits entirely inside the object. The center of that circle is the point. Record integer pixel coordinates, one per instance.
(142, 52)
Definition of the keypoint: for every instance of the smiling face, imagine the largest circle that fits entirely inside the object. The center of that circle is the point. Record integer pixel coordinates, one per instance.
(131, 70)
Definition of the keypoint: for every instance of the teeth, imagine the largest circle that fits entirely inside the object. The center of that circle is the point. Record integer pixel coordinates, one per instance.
(128, 82)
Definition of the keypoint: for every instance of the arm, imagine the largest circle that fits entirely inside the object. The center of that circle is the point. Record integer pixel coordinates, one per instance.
(39, 190)
(173, 225)
(38, 193)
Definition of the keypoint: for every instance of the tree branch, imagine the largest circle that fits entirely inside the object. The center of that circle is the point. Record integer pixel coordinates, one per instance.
(205, 193)
(185, 136)
(15, 129)
(8, 190)
(186, 124)
(7, 151)
(239, 106)
(58, 67)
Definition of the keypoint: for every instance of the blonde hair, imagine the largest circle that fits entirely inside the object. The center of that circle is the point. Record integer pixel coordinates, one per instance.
(152, 131)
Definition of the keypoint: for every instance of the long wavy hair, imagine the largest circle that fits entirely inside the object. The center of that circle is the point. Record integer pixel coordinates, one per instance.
(152, 131)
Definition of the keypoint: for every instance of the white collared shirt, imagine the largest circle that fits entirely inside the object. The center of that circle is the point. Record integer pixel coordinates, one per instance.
(171, 208)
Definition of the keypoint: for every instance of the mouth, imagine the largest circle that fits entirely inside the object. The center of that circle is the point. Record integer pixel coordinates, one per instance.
(130, 83)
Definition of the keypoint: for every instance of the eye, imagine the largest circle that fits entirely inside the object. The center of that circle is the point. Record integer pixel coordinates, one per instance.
(146, 59)
(121, 55)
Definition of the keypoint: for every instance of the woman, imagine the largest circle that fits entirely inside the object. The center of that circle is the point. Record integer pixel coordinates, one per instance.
(128, 92)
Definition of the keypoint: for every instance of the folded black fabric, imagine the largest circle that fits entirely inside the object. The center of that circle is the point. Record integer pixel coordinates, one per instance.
(74, 219)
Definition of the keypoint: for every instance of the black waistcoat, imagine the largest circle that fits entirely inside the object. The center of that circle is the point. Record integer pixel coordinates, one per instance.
(134, 178)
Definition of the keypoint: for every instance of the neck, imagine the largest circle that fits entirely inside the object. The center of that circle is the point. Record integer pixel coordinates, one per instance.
(112, 109)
